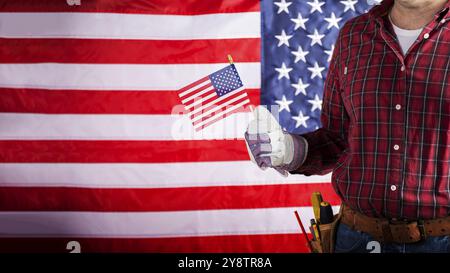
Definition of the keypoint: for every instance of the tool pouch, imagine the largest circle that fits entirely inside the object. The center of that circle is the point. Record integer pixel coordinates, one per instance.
(327, 236)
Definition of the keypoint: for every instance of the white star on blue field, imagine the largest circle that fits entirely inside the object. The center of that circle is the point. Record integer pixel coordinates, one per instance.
(298, 41)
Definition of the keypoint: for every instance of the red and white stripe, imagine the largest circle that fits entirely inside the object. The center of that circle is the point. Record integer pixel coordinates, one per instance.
(91, 150)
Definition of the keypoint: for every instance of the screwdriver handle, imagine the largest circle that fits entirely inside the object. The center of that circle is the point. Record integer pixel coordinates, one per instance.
(326, 213)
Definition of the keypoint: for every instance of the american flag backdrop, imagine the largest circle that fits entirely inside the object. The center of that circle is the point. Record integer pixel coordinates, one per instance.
(96, 153)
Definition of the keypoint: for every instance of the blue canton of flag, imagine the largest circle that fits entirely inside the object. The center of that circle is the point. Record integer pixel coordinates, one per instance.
(298, 41)
(226, 80)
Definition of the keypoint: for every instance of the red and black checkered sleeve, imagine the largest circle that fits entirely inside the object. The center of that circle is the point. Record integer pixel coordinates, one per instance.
(326, 144)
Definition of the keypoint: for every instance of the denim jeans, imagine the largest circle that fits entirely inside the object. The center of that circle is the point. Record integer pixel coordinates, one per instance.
(351, 241)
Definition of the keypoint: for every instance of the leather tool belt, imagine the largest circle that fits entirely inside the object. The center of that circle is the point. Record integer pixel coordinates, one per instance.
(388, 231)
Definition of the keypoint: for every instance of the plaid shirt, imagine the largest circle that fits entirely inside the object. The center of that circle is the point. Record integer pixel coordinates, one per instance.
(385, 119)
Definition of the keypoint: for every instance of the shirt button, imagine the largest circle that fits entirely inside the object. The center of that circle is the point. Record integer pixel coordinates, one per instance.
(402, 68)
(442, 21)
(396, 147)
(393, 188)
(426, 36)
(398, 107)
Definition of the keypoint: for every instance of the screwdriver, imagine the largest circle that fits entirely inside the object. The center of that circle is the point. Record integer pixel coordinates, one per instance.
(326, 213)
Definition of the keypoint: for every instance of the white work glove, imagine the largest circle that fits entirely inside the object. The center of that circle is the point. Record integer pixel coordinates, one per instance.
(269, 146)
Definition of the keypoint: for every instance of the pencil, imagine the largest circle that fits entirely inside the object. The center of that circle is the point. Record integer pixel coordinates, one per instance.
(303, 231)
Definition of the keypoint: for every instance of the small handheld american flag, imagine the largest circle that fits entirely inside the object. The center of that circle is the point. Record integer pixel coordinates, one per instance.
(214, 97)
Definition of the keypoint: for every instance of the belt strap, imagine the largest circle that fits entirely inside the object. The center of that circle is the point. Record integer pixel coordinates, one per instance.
(386, 231)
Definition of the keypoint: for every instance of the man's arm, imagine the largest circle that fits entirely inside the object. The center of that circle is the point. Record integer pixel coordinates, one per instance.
(313, 153)
(326, 144)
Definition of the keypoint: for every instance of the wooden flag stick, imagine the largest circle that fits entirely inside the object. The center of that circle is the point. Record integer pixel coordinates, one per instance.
(230, 59)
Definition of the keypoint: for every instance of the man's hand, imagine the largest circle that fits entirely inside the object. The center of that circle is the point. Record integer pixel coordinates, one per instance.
(270, 147)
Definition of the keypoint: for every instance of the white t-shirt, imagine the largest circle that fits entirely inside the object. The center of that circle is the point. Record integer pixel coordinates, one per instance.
(406, 37)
